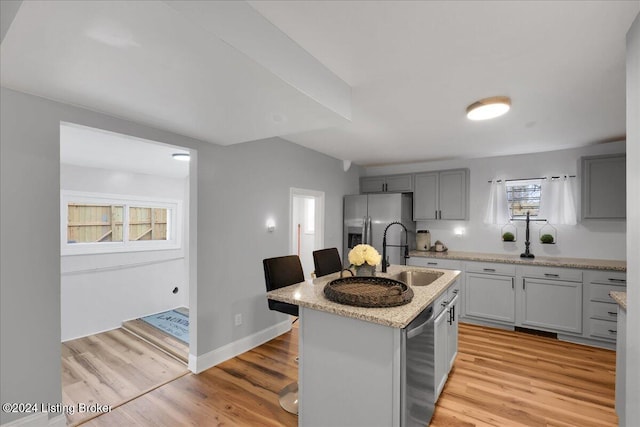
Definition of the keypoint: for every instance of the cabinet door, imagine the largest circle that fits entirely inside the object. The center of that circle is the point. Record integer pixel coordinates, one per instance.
(452, 333)
(399, 183)
(604, 187)
(425, 196)
(453, 194)
(552, 304)
(491, 297)
(373, 184)
(441, 361)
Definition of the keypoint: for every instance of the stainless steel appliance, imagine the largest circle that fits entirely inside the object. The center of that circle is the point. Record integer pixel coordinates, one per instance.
(367, 215)
(417, 381)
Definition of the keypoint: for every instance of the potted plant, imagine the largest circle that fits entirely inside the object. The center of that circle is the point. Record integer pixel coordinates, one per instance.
(364, 258)
(546, 238)
(508, 237)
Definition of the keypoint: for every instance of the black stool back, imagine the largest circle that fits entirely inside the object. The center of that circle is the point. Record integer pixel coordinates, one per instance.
(280, 272)
(327, 261)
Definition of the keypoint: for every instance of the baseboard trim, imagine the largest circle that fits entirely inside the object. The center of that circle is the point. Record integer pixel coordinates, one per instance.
(588, 342)
(41, 419)
(208, 360)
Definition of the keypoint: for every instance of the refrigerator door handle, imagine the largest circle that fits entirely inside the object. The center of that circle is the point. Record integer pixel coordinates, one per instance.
(364, 229)
(369, 237)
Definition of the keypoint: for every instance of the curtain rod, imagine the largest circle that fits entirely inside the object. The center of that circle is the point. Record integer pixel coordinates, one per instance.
(528, 179)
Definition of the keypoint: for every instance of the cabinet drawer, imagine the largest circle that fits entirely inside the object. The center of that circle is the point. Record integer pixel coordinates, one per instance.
(598, 292)
(603, 311)
(603, 329)
(607, 277)
(453, 290)
(447, 264)
(567, 274)
(491, 268)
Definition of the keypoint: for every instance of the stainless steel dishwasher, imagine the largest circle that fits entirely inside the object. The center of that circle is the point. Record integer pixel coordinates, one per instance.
(417, 384)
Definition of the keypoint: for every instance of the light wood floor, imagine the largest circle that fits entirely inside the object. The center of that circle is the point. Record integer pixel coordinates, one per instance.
(111, 368)
(500, 379)
(155, 336)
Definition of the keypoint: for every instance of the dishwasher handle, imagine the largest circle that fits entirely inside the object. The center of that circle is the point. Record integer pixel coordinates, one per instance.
(417, 330)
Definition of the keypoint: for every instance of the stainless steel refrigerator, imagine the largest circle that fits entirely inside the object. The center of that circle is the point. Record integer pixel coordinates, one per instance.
(367, 215)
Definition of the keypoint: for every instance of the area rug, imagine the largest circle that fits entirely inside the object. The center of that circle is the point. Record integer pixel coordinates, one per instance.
(172, 322)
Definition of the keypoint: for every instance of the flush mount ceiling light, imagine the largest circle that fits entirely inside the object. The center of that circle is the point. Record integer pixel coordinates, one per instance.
(183, 157)
(488, 108)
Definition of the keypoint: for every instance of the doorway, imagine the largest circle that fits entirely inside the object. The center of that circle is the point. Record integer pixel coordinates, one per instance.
(306, 225)
(127, 256)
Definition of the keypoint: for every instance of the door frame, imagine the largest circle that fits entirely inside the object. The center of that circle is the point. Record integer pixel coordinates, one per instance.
(319, 215)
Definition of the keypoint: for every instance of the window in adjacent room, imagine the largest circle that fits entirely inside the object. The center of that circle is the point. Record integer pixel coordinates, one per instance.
(97, 223)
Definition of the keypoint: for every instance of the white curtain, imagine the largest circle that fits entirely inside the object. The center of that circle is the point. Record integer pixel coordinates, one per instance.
(497, 208)
(558, 201)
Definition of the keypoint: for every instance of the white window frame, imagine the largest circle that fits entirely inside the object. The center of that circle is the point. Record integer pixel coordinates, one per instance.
(522, 182)
(174, 223)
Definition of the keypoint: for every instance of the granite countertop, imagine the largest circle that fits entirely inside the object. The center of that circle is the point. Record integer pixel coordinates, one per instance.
(544, 261)
(620, 298)
(310, 294)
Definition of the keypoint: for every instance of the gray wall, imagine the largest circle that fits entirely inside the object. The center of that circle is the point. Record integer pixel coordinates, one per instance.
(240, 187)
(237, 188)
(633, 223)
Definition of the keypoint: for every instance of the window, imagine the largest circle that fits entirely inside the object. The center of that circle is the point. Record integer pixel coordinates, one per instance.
(523, 195)
(99, 223)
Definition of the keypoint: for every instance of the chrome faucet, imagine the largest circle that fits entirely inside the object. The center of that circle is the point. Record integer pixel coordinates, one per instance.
(384, 245)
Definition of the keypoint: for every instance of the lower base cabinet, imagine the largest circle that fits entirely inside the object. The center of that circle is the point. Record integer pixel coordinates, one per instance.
(552, 305)
(441, 359)
(445, 337)
(491, 297)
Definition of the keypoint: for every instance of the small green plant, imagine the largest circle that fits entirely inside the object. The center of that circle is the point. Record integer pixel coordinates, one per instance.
(508, 237)
(546, 238)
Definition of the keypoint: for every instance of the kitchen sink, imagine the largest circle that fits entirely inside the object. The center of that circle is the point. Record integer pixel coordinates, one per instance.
(417, 278)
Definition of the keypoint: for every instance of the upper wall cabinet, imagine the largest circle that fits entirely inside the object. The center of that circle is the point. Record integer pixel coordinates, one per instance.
(441, 195)
(387, 184)
(604, 187)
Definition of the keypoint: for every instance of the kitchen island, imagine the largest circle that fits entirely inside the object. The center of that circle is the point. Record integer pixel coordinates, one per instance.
(351, 358)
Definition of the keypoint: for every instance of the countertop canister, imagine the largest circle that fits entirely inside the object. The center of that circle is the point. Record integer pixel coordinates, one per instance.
(423, 240)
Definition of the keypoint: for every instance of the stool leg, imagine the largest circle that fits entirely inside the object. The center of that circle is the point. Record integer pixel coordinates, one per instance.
(288, 398)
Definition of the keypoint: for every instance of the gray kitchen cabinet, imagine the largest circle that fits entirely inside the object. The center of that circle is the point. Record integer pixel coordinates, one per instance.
(490, 297)
(445, 335)
(550, 299)
(446, 264)
(441, 350)
(554, 305)
(604, 187)
(601, 314)
(452, 331)
(387, 184)
(441, 195)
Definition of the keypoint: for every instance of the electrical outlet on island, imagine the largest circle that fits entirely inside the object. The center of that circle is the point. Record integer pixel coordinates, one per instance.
(238, 319)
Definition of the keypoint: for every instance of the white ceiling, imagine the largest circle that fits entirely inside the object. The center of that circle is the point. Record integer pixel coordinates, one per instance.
(94, 148)
(413, 67)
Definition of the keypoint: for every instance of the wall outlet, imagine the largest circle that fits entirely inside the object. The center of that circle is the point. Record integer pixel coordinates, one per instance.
(238, 319)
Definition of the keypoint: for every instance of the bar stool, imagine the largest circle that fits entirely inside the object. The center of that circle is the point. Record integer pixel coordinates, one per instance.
(327, 261)
(278, 273)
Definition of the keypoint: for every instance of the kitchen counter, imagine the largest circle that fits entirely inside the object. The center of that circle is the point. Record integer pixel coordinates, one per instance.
(581, 263)
(309, 294)
(620, 298)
